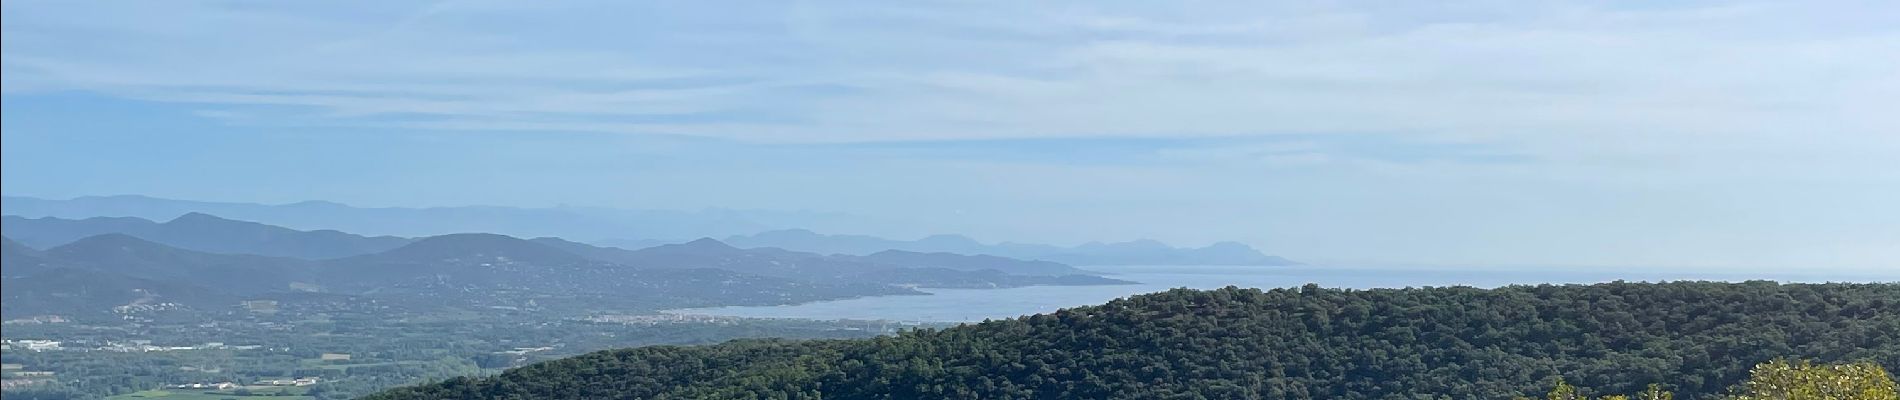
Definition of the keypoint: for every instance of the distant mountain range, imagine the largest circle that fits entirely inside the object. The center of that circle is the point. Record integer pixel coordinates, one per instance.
(1139, 252)
(940, 270)
(96, 275)
(207, 262)
(188, 223)
(138, 258)
(584, 223)
(92, 276)
(202, 232)
(208, 233)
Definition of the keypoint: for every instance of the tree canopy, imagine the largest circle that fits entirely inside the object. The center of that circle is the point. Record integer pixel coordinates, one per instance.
(1780, 380)
(1700, 338)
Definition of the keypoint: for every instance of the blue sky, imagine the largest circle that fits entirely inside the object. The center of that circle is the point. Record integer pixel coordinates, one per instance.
(1692, 134)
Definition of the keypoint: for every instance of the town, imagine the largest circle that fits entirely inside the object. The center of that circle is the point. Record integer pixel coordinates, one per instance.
(338, 355)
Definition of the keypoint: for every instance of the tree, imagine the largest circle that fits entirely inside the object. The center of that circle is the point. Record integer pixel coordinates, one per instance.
(1564, 391)
(1784, 380)
(1655, 392)
(1700, 337)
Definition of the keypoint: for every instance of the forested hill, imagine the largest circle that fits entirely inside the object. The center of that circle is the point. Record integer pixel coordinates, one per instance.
(1308, 343)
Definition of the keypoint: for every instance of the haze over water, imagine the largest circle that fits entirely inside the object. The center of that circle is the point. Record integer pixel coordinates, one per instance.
(969, 305)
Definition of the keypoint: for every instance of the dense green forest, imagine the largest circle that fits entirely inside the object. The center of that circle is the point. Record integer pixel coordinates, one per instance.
(1696, 339)
(1777, 380)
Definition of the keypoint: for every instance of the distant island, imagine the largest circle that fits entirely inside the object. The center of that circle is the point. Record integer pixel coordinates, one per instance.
(1139, 252)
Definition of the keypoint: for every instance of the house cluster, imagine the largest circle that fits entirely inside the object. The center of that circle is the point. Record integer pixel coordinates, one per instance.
(35, 320)
(145, 308)
(287, 382)
(213, 386)
(525, 350)
(30, 344)
(667, 318)
(146, 346)
(13, 383)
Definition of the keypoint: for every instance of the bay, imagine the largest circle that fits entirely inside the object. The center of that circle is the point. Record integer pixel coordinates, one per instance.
(968, 305)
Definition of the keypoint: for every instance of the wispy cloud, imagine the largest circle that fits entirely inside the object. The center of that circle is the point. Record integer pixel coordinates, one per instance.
(949, 71)
(1687, 118)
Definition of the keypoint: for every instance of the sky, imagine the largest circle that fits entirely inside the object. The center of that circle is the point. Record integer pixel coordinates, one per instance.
(1688, 134)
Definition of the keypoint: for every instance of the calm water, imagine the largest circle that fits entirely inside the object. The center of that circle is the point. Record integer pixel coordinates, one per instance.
(960, 305)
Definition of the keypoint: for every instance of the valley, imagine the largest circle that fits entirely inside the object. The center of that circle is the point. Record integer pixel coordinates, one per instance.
(134, 308)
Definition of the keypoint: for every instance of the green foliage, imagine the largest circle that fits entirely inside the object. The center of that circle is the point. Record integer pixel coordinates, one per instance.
(1306, 343)
(1785, 380)
(1655, 392)
(1564, 391)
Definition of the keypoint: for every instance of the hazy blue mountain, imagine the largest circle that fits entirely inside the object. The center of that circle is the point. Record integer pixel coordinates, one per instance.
(37, 285)
(972, 263)
(930, 277)
(465, 270)
(472, 248)
(51, 232)
(710, 253)
(610, 254)
(488, 270)
(91, 276)
(925, 270)
(80, 292)
(1150, 252)
(1139, 252)
(587, 223)
(630, 243)
(631, 229)
(203, 232)
(18, 259)
(142, 259)
(890, 267)
(806, 240)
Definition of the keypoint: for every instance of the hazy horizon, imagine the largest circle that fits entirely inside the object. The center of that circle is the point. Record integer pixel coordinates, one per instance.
(1626, 134)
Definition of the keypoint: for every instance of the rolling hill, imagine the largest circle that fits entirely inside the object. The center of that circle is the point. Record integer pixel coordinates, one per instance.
(1310, 343)
(203, 232)
(142, 259)
(17, 259)
(91, 276)
(466, 271)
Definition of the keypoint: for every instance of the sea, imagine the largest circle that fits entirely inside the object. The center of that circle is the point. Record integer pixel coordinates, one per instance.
(971, 305)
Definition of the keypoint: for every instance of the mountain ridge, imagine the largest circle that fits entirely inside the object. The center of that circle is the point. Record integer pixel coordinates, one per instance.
(625, 228)
(1134, 252)
(202, 232)
(591, 223)
(143, 259)
(493, 270)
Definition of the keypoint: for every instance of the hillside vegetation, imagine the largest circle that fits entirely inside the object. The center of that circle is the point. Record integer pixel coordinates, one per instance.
(1698, 339)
